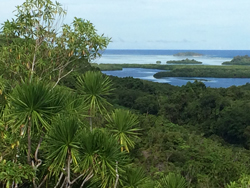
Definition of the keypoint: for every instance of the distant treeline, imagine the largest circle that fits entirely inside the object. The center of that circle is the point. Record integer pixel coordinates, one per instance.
(186, 70)
(104, 67)
(207, 71)
(184, 61)
(188, 54)
(238, 60)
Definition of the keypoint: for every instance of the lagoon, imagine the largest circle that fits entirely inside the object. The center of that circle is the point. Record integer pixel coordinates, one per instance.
(147, 74)
(210, 57)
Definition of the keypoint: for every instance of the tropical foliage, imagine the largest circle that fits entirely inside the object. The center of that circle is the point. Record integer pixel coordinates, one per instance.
(172, 181)
(65, 124)
(238, 60)
(38, 44)
(94, 86)
(122, 124)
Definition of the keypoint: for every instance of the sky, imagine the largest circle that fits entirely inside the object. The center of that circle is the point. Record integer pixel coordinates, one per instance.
(161, 24)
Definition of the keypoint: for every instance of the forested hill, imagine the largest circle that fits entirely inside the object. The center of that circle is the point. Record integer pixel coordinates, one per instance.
(201, 132)
(214, 111)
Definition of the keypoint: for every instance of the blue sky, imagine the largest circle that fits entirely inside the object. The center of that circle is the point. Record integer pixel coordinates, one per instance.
(161, 24)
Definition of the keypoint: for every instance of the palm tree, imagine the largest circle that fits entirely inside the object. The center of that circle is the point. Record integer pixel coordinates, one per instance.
(101, 155)
(33, 105)
(75, 107)
(121, 123)
(77, 152)
(94, 86)
(172, 180)
(135, 178)
(63, 139)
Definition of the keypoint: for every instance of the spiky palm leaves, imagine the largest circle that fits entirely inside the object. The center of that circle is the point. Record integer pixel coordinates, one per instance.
(101, 152)
(135, 178)
(91, 155)
(33, 105)
(172, 180)
(63, 142)
(35, 102)
(122, 124)
(94, 86)
(71, 151)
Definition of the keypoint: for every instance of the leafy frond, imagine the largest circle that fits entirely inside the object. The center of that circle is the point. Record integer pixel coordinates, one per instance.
(134, 178)
(94, 86)
(36, 101)
(63, 137)
(122, 124)
(172, 180)
(100, 152)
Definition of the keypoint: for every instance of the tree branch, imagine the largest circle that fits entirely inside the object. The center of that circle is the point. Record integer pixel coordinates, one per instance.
(68, 182)
(29, 142)
(44, 179)
(61, 77)
(60, 178)
(76, 179)
(65, 180)
(90, 175)
(38, 146)
(33, 62)
(117, 174)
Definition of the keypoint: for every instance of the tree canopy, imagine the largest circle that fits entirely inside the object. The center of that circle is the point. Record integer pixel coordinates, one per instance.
(38, 44)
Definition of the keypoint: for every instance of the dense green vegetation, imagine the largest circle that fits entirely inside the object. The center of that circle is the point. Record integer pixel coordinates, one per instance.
(57, 128)
(186, 70)
(193, 130)
(104, 67)
(238, 60)
(188, 54)
(65, 124)
(207, 71)
(184, 61)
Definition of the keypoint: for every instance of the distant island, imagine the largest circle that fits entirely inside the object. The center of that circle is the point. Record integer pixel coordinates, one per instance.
(238, 60)
(184, 61)
(188, 54)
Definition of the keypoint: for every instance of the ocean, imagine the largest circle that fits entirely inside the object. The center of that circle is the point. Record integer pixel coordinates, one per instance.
(211, 53)
(210, 57)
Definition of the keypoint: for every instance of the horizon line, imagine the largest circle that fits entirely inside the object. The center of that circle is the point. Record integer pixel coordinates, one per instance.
(178, 49)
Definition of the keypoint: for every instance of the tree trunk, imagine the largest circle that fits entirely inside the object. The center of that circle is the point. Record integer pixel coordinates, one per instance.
(117, 175)
(90, 119)
(29, 142)
(90, 123)
(68, 184)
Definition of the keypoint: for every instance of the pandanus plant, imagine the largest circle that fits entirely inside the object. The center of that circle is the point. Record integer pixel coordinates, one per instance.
(122, 124)
(93, 86)
(77, 155)
(33, 105)
(172, 180)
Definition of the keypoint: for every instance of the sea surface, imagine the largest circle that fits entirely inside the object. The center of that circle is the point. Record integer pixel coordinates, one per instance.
(210, 57)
